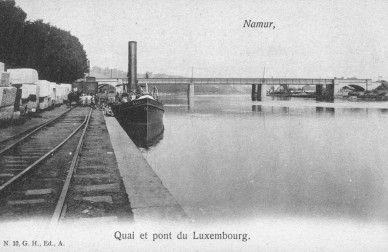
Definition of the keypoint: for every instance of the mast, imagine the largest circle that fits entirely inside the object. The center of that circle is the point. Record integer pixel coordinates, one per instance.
(263, 74)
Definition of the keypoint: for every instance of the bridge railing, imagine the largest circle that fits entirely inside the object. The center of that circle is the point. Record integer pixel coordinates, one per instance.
(239, 81)
(234, 81)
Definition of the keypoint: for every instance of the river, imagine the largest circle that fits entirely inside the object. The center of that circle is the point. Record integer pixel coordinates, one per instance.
(225, 157)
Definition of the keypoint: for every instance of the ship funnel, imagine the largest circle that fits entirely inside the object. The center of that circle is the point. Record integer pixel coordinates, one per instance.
(132, 65)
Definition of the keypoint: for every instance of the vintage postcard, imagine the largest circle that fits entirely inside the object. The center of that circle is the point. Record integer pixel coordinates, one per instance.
(193, 125)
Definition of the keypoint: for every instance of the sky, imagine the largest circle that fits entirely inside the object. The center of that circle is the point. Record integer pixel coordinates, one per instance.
(311, 39)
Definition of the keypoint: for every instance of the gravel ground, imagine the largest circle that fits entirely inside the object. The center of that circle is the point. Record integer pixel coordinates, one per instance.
(97, 189)
(30, 122)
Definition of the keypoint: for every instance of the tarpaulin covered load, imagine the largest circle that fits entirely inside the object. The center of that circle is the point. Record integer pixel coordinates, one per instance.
(23, 76)
(4, 79)
(53, 91)
(29, 97)
(44, 88)
(6, 112)
(7, 96)
(29, 89)
(43, 102)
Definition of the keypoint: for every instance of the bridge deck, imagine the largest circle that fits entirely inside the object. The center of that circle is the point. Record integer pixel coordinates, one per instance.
(232, 81)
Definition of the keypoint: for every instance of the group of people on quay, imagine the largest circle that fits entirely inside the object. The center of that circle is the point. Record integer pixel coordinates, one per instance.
(104, 101)
(89, 99)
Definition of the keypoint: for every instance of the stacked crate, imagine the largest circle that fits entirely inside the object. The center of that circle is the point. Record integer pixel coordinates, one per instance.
(4, 76)
(7, 95)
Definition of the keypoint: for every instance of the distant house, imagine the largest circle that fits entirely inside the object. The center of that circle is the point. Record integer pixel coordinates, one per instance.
(382, 87)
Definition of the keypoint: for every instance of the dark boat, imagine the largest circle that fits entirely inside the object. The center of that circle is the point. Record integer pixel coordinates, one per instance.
(145, 109)
(142, 119)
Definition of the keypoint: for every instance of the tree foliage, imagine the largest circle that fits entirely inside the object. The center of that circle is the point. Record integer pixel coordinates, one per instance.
(12, 21)
(54, 53)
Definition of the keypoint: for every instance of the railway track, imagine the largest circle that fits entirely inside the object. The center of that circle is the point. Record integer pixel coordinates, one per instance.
(5, 143)
(36, 167)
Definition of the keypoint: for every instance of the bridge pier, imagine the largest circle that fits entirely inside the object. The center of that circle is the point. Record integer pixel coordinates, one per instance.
(325, 92)
(190, 93)
(367, 84)
(337, 87)
(254, 92)
(258, 91)
(190, 90)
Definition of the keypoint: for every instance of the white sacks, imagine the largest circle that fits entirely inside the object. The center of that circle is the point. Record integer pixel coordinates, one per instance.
(23, 76)
(7, 96)
(7, 100)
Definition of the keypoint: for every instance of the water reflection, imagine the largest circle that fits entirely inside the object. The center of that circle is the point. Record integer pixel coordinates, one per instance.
(279, 110)
(234, 158)
(318, 110)
(145, 135)
(325, 110)
(190, 104)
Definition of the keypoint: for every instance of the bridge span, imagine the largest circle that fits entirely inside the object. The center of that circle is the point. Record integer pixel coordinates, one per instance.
(325, 88)
(234, 81)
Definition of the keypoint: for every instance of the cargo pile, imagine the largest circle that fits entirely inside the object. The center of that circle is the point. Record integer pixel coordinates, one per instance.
(23, 76)
(7, 95)
(22, 92)
(4, 79)
(44, 93)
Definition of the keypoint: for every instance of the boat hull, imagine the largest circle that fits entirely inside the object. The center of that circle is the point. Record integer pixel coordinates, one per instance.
(139, 111)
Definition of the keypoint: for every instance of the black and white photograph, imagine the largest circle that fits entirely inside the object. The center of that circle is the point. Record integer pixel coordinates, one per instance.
(169, 125)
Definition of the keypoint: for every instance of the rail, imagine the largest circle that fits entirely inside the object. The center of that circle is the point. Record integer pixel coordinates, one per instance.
(60, 207)
(21, 174)
(32, 130)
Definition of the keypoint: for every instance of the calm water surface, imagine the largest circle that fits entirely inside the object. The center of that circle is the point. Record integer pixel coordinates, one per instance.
(226, 157)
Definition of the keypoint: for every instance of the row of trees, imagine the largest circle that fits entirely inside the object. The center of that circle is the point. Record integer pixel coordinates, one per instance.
(54, 53)
(107, 72)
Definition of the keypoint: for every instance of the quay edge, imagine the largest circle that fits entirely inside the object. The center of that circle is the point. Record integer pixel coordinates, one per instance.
(150, 200)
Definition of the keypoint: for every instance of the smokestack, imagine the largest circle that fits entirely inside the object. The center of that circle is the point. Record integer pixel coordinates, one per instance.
(132, 65)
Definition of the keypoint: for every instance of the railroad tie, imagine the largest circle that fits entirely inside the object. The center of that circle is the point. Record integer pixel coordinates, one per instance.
(24, 202)
(101, 187)
(6, 175)
(102, 198)
(39, 191)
